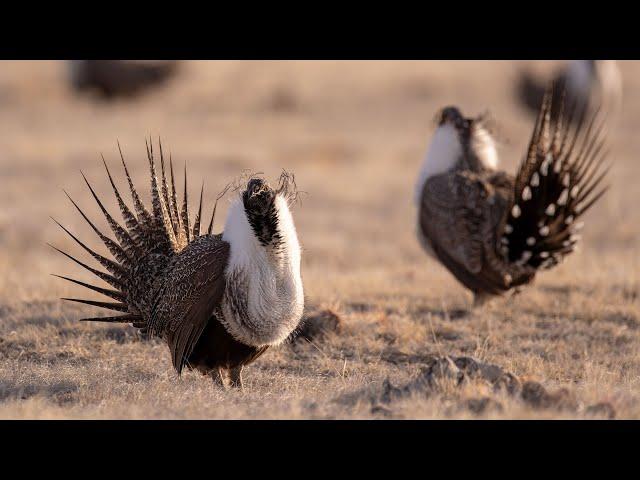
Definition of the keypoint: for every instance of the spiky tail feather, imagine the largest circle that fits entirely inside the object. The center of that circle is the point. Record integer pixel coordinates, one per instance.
(558, 181)
(144, 245)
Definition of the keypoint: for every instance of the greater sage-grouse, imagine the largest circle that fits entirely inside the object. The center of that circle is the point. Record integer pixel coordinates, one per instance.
(595, 82)
(219, 300)
(492, 231)
(119, 78)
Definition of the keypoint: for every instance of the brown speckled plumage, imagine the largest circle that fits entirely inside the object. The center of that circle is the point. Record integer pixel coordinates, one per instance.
(168, 278)
(493, 231)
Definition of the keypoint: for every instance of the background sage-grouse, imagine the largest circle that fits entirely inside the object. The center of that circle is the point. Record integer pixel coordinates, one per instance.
(119, 78)
(491, 230)
(220, 300)
(595, 82)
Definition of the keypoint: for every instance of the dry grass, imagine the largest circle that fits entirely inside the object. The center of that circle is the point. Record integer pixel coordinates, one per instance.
(354, 133)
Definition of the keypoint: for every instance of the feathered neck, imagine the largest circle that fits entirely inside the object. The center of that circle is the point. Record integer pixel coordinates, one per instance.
(264, 296)
(444, 152)
(483, 147)
(448, 150)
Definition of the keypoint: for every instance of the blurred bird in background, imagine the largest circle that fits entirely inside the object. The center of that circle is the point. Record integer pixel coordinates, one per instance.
(595, 82)
(119, 78)
(494, 231)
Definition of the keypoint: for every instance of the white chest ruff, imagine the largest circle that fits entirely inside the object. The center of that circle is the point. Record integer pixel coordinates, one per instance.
(443, 154)
(264, 297)
(445, 151)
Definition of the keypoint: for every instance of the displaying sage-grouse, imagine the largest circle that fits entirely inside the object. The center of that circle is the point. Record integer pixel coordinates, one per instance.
(492, 231)
(219, 300)
(119, 78)
(596, 82)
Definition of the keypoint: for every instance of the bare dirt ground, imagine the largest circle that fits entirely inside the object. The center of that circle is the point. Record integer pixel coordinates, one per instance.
(355, 134)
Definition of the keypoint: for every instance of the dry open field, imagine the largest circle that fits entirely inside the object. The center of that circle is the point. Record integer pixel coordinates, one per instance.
(354, 133)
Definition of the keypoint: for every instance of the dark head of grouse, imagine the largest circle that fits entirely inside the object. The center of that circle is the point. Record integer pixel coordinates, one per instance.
(219, 300)
(494, 231)
(452, 116)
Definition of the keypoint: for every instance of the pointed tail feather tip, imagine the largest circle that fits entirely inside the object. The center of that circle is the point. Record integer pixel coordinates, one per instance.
(554, 186)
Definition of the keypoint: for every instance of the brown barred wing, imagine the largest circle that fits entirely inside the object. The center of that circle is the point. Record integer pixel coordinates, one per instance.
(459, 214)
(192, 291)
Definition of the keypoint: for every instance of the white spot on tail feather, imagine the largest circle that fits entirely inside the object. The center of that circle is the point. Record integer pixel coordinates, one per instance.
(526, 255)
(526, 193)
(544, 168)
(564, 196)
(515, 211)
(535, 179)
(551, 210)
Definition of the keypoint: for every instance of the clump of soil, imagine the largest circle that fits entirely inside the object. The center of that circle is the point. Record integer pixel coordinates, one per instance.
(443, 371)
(317, 325)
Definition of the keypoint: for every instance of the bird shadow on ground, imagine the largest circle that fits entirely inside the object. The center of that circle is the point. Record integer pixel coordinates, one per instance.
(123, 334)
(419, 313)
(416, 312)
(626, 319)
(60, 392)
(28, 352)
(445, 376)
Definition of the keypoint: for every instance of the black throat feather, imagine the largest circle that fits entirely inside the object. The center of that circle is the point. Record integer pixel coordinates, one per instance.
(265, 225)
(259, 201)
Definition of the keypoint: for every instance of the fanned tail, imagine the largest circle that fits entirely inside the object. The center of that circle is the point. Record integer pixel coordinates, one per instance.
(558, 181)
(143, 246)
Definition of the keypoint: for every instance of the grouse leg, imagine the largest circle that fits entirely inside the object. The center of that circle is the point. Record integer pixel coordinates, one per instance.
(235, 375)
(218, 375)
(481, 298)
